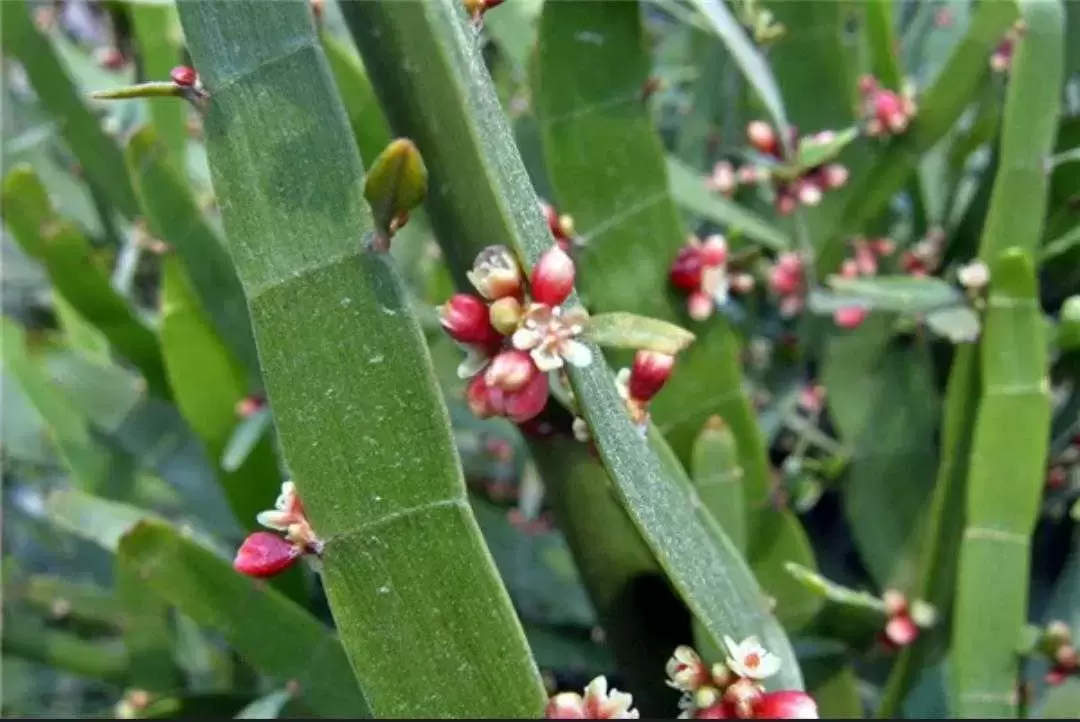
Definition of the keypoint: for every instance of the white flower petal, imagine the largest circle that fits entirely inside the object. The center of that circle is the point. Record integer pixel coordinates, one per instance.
(734, 649)
(472, 364)
(277, 520)
(576, 353)
(545, 360)
(525, 339)
(768, 666)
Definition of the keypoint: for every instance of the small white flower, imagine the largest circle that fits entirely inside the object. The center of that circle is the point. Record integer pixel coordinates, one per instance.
(608, 705)
(974, 275)
(580, 428)
(275, 519)
(716, 283)
(549, 335)
(685, 670)
(287, 498)
(749, 659)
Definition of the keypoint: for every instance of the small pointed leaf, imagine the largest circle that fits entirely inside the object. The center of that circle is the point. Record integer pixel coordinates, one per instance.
(628, 330)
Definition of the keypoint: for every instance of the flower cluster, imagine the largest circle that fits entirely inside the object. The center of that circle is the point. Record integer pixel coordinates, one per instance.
(787, 280)
(250, 405)
(264, 554)
(862, 262)
(1057, 645)
(701, 271)
(732, 689)
(903, 621)
(561, 226)
(924, 258)
(513, 340)
(637, 386)
(885, 112)
(807, 189)
(596, 703)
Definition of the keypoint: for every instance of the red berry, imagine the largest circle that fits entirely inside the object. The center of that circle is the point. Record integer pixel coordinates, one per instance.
(467, 320)
(183, 76)
(685, 273)
(785, 704)
(552, 277)
(649, 373)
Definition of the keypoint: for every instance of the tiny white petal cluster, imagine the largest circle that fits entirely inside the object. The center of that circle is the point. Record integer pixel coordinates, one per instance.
(288, 516)
(549, 335)
(748, 659)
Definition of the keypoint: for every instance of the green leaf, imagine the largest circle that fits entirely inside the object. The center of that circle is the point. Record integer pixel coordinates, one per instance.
(78, 274)
(92, 518)
(90, 464)
(273, 634)
(904, 294)
(746, 56)
(1005, 486)
(813, 153)
(689, 191)
(146, 632)
(833, 684)
(157, 34)
(291, 187)
(365, 115)
(1061, 702)
(871, 379)
(940, 106)
(880, 18)
(266, 707)
(959, 324)
(95, 151)
(630, 331)
(174, 216)
(718, 479)
(208, 382)
(31, 640)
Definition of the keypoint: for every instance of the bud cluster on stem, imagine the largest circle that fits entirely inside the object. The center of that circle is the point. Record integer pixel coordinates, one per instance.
(863, 262)
(807, 189)
(514, 334)
(561, 226)
(886, 112)
(700, 270)
(1056, 642)
(1001, 58)
(903, 620)
(264, 554)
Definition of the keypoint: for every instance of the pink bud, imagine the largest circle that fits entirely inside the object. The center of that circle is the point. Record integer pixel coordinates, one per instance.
(685, 273)
(183, 76)
(748, 174)
(834, 175)
(850, 317)
(722, 179)
(466, 319)
(526, 404)
(883, 246)
(786, 704)
(714, 250)
(865, 260)
(849, 268)
(762, 137)
(720, 710)
(264, 554)
(901, 630)
(648, 374)
(478, 397)
(1056, 675)
(510, 371)
(552, 277)
(785, 202)
(867, 84)
(699, 305)
(809, 192)
(742, 283)
(782, 281)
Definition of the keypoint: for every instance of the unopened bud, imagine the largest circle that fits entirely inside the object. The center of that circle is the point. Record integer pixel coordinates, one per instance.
(923, 614)
(850, 317)
(510, 371)
(901, 630)
(496, 273)
(785, 704)
(895, 602)
(742, 283)
(685, 670)
(1066, 657)
(396, 183)
(552, 277)
(707, 696)
(834, 175)
(478, 398)
(506, 314)
(714, 250)
(762, 137)
(685, 272)
(809, 193)
(184, 76)
(973, 276)
(467, 321)
(649, 373)
(723, 178)
(699, 305)
(264, 554)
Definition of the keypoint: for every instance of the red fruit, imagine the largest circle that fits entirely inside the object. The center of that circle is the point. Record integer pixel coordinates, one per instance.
(762, 137)
(649, 373)
(183, 76)
(466, 319)
(720, 710)
(714, 251)
(685, 273)
(552, 277)
(264, 554)
(786, 704)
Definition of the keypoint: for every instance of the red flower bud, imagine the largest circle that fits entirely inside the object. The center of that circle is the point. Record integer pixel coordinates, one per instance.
(900, 631)
(714, 251)
(720, 710)
(700, 305)
(685, 273)
(264, 554)
(809, 192)
(552, 277)
(466, 319)
(510, 371)
(762, 137)
(183, 76)
(850, 317)
(649, 373)
(786, 704)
